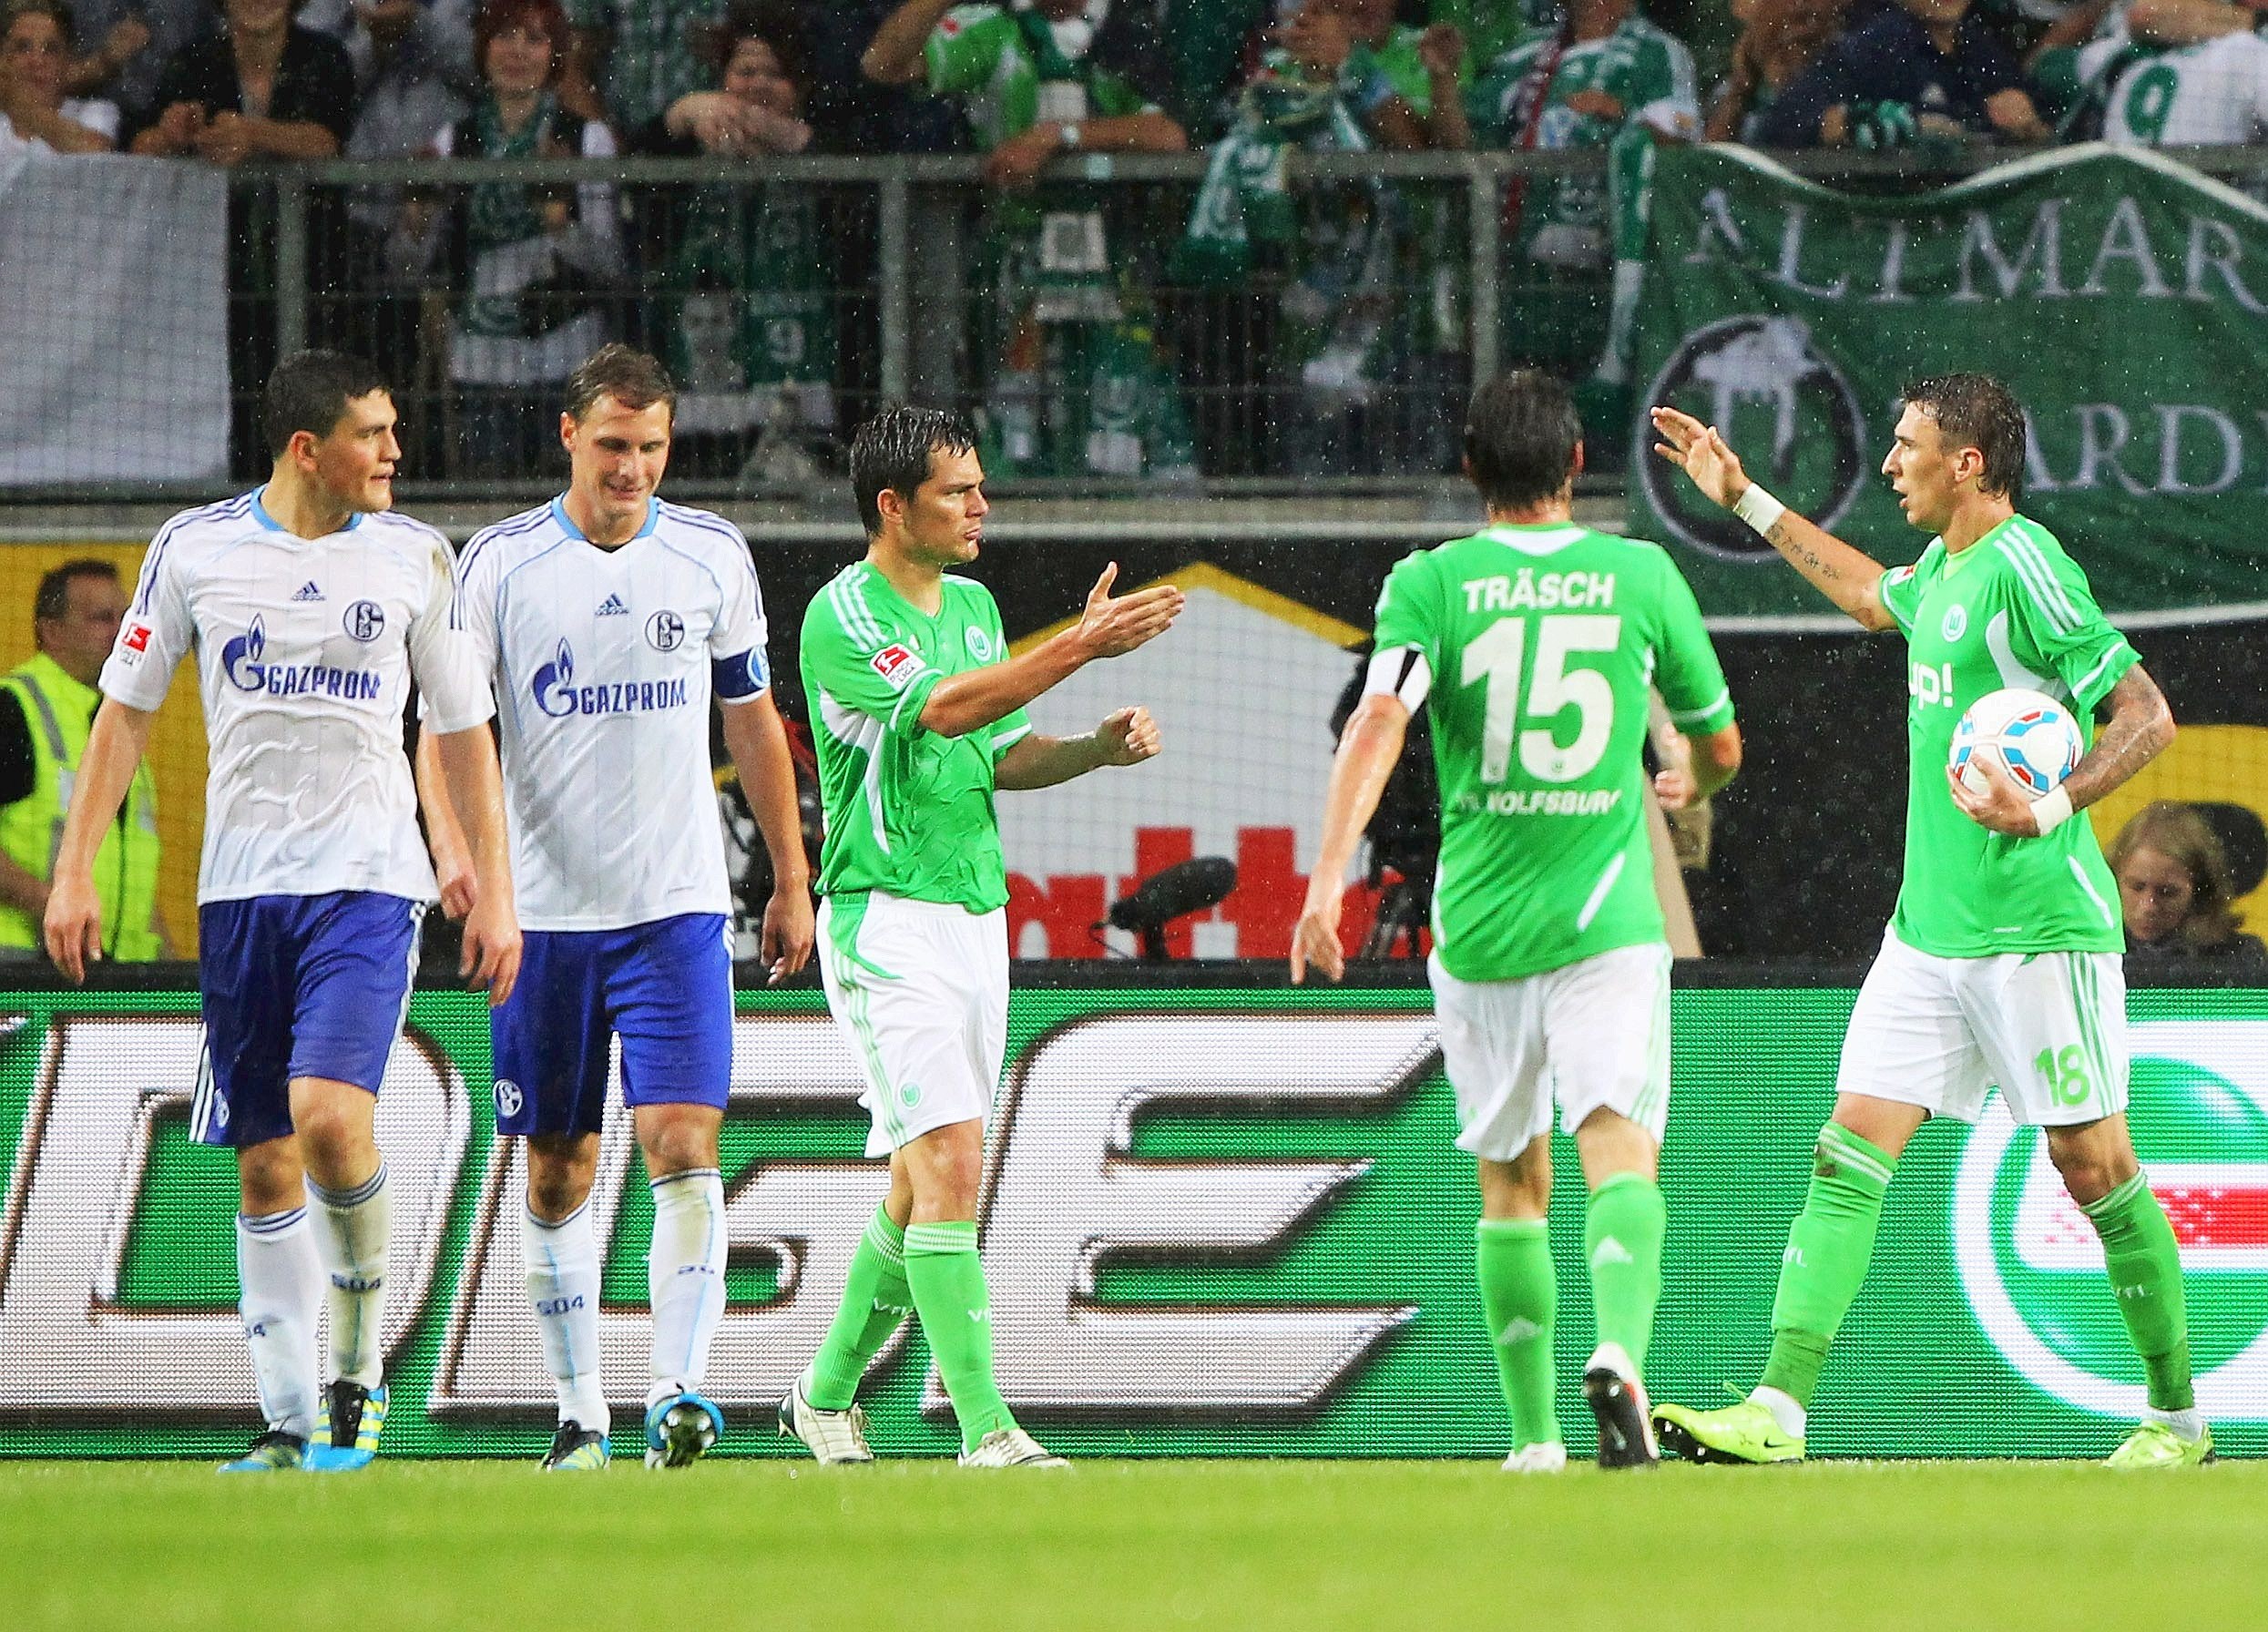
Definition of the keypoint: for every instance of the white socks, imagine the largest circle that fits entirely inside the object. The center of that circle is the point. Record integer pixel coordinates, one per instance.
(275, 1265)
(1786, 1412)
(2186, 1424)
(563, 1286)
(353, 1242)
(685, 1277)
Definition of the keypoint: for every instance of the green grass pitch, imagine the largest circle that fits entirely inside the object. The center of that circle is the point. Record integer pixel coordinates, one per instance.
(168, 1547)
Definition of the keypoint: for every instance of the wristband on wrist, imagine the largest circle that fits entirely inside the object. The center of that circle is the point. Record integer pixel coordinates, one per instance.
(1759, 509)
(2052, 812)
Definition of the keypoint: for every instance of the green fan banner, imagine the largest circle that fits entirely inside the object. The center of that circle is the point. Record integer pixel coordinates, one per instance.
(1217, 1222)
(2122, 296)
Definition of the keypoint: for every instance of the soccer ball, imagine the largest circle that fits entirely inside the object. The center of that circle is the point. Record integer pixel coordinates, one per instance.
(2035, 737)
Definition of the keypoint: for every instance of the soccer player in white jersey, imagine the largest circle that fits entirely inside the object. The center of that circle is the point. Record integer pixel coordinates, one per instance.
(2000, 968)
(311, 610)
(607, 618)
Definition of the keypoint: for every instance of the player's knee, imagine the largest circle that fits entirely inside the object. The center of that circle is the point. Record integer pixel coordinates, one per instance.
(946, 1167)
(678, 1147)
(556, 1189)
(2090, 1171)
(335, 1140)
(270, 1178)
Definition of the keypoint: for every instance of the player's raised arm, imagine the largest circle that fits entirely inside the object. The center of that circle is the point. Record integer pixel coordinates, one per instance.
(1109, 627)
(114, 748)
(1849, 577)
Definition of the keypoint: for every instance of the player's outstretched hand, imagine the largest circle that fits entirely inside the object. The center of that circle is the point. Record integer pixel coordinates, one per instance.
(1315, 940)
(491, 962)
(2002, 807)
(1128, 737)
(74, 926)
(1698, 450)
(1112, 628)
(788, 932)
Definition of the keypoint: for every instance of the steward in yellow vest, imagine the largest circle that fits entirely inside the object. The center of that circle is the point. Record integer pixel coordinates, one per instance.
(58, 710)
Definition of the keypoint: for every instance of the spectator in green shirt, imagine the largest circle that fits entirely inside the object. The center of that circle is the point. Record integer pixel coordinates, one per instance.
(1076, 386)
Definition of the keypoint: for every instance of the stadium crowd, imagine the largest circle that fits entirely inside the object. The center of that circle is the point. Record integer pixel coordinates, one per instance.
(1248, 327)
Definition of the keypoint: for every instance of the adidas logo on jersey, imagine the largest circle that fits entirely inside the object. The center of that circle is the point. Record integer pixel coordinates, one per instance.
(612, 606)
(308, 591)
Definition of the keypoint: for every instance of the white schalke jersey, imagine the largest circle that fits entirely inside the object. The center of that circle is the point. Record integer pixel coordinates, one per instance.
(305, 649)
(603, 663)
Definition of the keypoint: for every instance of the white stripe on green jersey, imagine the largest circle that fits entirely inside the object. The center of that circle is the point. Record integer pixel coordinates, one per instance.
(2012, 610)
(908, 810)
(1541, 641)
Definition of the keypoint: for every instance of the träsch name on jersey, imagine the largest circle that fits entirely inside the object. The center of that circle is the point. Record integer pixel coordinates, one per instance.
(1529, 590)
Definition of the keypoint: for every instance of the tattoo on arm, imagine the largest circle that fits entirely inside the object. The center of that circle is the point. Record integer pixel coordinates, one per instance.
(2139, 728)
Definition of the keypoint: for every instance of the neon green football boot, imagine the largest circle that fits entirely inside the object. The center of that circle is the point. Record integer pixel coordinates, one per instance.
(1743, 1434)
(2155, 1446)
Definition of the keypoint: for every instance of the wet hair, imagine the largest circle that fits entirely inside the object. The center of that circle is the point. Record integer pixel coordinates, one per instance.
(633, 378)
(309, 390)
(1976, 411)
(2178, 832)
(53, 598)
(1521, 436)
(893, 450)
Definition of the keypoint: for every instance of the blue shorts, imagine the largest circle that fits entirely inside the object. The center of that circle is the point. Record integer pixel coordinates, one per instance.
(296, 985)
(665, 988)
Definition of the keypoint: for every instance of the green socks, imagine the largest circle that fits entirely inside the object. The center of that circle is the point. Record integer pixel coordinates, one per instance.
(1623, 1243)
(2145, 1265)
(1828, 1247)
(1518, 1296)
(874, 1301)
(948, 1285)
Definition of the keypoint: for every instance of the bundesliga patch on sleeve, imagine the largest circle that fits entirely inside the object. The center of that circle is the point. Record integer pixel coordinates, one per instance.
(133, 643)
(896, 665)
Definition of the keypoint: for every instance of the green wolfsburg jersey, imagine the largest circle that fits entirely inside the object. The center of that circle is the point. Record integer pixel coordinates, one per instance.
(908, 810)
(1541, 641)
(2012, 610)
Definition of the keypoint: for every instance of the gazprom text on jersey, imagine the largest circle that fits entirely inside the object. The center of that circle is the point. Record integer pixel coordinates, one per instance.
(626, 697)
(306, 680)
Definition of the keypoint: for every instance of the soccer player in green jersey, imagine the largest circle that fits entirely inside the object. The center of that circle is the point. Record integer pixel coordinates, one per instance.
(918, 712)
(1532, 643)
(2001, 965)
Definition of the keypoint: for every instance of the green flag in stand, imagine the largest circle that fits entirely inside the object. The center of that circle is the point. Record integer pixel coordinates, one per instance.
(2122, 296)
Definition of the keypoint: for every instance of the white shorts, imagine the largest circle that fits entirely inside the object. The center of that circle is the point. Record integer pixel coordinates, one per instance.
(921, 988)
(1593, 1036)
(2047, 1028)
